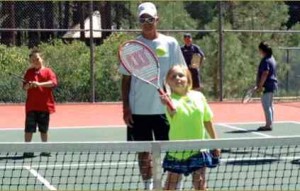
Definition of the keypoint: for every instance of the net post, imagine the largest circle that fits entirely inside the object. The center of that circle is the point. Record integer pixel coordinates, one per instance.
(157, 168)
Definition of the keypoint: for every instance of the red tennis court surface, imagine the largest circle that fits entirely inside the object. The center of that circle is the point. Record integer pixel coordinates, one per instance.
(110, 114)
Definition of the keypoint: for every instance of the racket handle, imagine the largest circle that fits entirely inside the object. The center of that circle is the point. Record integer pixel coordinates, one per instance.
(169, 101)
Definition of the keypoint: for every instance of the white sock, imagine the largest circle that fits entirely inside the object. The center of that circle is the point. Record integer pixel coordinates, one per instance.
(179, 185)
(148, 184)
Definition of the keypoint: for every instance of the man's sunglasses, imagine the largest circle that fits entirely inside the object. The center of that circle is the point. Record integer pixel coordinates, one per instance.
(148, 20)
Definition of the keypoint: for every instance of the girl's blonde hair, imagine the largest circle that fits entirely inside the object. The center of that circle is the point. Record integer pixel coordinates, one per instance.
(185, 71)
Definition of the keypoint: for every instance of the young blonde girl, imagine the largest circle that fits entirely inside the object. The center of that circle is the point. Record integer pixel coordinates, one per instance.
(191, 120)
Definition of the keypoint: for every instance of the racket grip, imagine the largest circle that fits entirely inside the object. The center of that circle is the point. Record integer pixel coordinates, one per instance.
(169, 101)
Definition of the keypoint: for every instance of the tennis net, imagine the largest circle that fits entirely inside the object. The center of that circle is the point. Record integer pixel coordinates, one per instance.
(246, 164)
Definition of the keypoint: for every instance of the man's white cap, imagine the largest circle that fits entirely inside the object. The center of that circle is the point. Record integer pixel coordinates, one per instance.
(147, 8)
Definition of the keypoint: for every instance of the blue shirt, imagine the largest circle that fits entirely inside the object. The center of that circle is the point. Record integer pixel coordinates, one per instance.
(188, 52)
(268, 63)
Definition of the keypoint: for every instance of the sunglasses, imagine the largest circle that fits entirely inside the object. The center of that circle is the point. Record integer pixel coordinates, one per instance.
(148, 20)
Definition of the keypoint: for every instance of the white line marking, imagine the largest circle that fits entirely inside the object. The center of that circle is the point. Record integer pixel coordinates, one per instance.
(241, 129)
(296, 122)
(70, 127)
(40, 178)
(70, 165)
(256, 122)
(123, 126)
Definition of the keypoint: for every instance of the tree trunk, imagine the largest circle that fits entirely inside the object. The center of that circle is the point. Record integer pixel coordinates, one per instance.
(48, 23)
(106, 20)
(8, 15)
(34, 20)
(78, 17)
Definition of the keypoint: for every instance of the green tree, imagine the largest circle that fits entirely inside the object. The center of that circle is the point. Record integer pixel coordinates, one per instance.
(241, 56)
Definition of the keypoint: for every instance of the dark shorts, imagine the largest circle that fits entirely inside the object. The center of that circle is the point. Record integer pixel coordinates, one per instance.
(195, 77)
(148, 128)
(36, 119)
(190, 165)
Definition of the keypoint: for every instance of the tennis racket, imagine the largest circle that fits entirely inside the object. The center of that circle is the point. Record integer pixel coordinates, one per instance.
(17, 77)
(196, 60)
(248, 94)
(140, 61)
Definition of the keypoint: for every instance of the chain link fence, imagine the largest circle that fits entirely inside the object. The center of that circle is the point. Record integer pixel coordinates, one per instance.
(79, 40)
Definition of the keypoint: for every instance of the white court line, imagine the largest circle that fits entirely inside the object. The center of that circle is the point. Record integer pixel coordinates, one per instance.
(296, 122)
(75, 165)
(257, 122)
(70, 127)
(40, 178)
(241, 129)
(123, 126)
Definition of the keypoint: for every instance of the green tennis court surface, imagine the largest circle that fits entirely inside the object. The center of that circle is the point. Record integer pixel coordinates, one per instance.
(246, 165)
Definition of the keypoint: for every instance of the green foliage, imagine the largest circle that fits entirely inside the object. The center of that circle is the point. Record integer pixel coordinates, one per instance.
(107, 77)
(12, 60)
(71, 63)
(203, 12)
(241, 56)
(178, 18)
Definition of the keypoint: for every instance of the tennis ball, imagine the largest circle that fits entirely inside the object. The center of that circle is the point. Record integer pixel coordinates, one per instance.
(160, 51)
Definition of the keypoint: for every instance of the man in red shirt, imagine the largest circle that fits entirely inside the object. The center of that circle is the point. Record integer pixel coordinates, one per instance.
(40, 101)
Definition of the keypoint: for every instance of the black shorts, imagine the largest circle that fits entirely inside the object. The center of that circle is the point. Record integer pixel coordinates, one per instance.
(148, 128)
(36, 119)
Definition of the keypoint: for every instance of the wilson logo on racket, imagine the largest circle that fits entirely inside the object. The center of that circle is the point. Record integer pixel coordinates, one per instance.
(140, 61)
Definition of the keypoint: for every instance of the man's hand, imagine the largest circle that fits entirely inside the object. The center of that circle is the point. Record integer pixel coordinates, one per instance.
(34, 84)
(127, 116)
(31, 84)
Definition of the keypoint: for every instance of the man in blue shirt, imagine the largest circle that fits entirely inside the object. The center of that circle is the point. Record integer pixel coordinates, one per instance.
(188, 49)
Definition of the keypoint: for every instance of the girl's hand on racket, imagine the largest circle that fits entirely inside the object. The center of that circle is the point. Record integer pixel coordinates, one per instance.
(127, 116)
(165, 98)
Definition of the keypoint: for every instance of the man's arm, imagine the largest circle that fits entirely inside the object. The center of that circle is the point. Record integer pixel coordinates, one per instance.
(52, 81)
(127, 115)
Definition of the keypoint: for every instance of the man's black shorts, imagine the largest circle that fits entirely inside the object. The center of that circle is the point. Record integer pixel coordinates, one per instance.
(36, 119)
(148, 128)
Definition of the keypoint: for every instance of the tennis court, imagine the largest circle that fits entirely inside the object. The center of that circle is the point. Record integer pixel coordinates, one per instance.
(263, 163)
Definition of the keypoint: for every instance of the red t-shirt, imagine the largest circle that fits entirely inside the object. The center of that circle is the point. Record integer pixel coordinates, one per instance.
(40, 98)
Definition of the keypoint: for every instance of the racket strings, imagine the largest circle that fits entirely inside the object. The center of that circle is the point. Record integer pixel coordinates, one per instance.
(140, 62)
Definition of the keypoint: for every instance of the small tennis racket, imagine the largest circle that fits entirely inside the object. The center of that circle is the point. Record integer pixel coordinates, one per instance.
(17, 77)
(248, 94)
(140, 61)
(196, 60)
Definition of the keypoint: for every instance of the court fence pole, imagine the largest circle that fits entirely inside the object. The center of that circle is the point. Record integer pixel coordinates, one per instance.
(221, 52)
(157, 169)
(92, 57)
